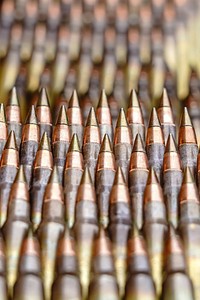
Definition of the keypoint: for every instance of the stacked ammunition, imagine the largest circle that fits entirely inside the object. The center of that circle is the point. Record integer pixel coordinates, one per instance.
(99, 158)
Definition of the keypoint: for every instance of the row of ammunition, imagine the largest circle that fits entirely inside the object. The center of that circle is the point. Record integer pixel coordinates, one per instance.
(91, 194)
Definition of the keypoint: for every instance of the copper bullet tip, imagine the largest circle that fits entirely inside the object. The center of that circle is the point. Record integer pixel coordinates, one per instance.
(13, 99)
(185, 119)
(73, 102)
(31, 117)
(154, 121)
(133, 99)
(171, 145)
(153, 191)
(188, 190)
(164, 102)
(20, 177)
(86, 178)
(43, 98)
(105, 145)
(2, 114)
(62, 116)
(152, 178)
(53, 190)
(54, 178)
(11, 141)
(187, 177)
(103, 101)
(74, 145)
(92, 120)
(119, 177)
(45, 143)
(122, 121)
(138, 144)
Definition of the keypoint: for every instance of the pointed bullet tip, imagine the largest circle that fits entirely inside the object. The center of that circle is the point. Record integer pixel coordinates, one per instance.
(73, 102)
(13, 99)
(45, 143)
(11, 141)
(43, 98)
(171, 145)
(119, 177)
(74, 145)
(185, 119)
(62, 116)
(54, 176)
(133, 99)
(122, 121)
(152, 178)
(106, 146)
(92, 120)
(2, 113)
(86, 177)
(20, 177)
(103, 101)
(154, 121)
(187, 177)
(164, 101)
(31, 117)
(138, 144)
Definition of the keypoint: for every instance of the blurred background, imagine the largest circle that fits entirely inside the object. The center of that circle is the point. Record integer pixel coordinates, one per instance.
(89, 45)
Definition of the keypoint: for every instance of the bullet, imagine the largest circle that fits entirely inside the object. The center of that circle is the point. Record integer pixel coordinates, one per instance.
(3, 283)
(29, 284)
(72, 177)
(29, 144)
(138, 174)
(13, 116)
(3, 129)
(85, 228)
(104, 117)
(187, 143)
(60, 141)
(119, 226)
(189, 199)
(139, 284)
(165, 116)
(75, 119)
(135, 117)
(177, 284)
(42, 168)
(155, 146)
(103, 284)
(105, 174)
(67, 283)
(172, 180)
(91, 143)
(122, 143)
(16, 226)
(190, 234)
(50, 229)
(43, 113)
(8, 169)
(155, 227)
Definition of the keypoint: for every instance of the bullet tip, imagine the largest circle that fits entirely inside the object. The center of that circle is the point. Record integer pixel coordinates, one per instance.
(11, 141)
(62, 116)
(74, 144)
(103, 101)
(92, 120)
(44, 143)
(170, 145)
(73, 102)
(133, 99)
(43, 98)
(106, 146)
(31, 117)
(122, 121)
